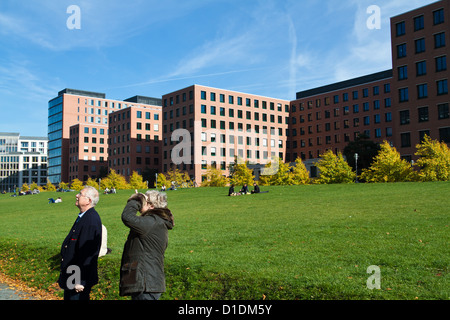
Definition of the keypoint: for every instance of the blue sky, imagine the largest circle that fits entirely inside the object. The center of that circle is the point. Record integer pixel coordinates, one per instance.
(145, 47)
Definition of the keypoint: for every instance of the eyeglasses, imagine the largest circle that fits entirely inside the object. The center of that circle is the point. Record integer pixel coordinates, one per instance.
(82, 195)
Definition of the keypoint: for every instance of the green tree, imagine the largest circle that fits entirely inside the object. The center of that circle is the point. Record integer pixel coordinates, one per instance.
(242, 174)
(388, 167)
(214, 178)
(300, 174)
(136, 181)
(334, 169)
(434, 161)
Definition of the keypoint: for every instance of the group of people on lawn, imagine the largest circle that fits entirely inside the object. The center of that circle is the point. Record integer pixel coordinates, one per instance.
(244, 190)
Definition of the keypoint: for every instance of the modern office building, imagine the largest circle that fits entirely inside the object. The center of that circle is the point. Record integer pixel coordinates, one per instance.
(135, 140)
(22, 160)
(88, 151)
(329, 117)
(89, 110)
(420, 98)
(205, 126)
(199, 126)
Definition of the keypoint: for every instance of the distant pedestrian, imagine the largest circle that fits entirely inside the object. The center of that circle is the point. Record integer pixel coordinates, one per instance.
(142, 268)
(80, 249)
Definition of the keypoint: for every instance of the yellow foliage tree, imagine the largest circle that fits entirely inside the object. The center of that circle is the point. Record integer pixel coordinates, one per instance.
(300, 174)
(76, 184)
(50, 186)
(388, 166)
(114, 180)
(136, 181)
(214, 178)
(92, 182)
(242, 174)
(334, 169)
(434, 161)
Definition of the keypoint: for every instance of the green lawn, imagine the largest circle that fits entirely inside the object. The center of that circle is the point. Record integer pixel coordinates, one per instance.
(296, 242)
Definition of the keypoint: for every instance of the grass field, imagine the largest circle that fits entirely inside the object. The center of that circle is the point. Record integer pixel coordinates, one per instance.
(296, 242)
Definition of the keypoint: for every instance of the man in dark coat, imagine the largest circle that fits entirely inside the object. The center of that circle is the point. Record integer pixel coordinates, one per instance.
(142, 268)
(80, 249)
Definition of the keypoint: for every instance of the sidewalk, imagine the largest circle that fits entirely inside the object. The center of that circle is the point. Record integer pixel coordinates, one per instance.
(7, 293)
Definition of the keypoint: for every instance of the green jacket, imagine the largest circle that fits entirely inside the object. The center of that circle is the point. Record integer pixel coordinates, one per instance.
(142, 267)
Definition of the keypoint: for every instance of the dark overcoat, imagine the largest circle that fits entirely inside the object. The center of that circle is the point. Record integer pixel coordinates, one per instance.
(81, 248)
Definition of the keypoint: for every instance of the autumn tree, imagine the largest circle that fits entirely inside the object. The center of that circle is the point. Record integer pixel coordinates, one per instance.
(76, 184)
(276, 173)
(300, 174)
(242, 174)
(114, 180)
(136, 181)
(334, 169)
(434, 161)
(63, 185)
(162, 181)
(214, 178)
(388, 166)
(92, 183)
(50, 186)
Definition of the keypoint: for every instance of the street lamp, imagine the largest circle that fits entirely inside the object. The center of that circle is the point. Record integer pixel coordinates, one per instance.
(356, 166)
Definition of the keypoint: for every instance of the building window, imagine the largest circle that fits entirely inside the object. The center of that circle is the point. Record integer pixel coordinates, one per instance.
(403, 94)
(418, 23)
(439, 40)
(401, 50)
(203, 95)
(444, 134)
(442, 87)
(420, 45)
(405, 140)
(441, 63)
(404, 117)
(423, 114)
(402, 73)
(400, 28)
(438, 16)
(421, 68)
(422, 91)
(443, 111)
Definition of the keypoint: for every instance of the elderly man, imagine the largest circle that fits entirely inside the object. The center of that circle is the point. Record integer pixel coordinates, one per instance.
(80, 249)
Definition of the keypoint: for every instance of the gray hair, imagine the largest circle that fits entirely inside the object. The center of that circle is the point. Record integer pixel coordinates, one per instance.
(92, 194)
(156, 198)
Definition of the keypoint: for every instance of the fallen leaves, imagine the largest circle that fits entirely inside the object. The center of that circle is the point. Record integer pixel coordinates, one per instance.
(30, 293)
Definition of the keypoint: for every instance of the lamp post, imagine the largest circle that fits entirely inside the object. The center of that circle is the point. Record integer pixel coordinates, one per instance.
(356, 167)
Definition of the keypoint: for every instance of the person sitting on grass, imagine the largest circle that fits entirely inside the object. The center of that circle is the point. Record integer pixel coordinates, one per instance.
(255, 188)
(231, 191)
(244, 189)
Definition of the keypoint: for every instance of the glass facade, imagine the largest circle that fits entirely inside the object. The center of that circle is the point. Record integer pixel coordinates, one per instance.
(55, 126)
